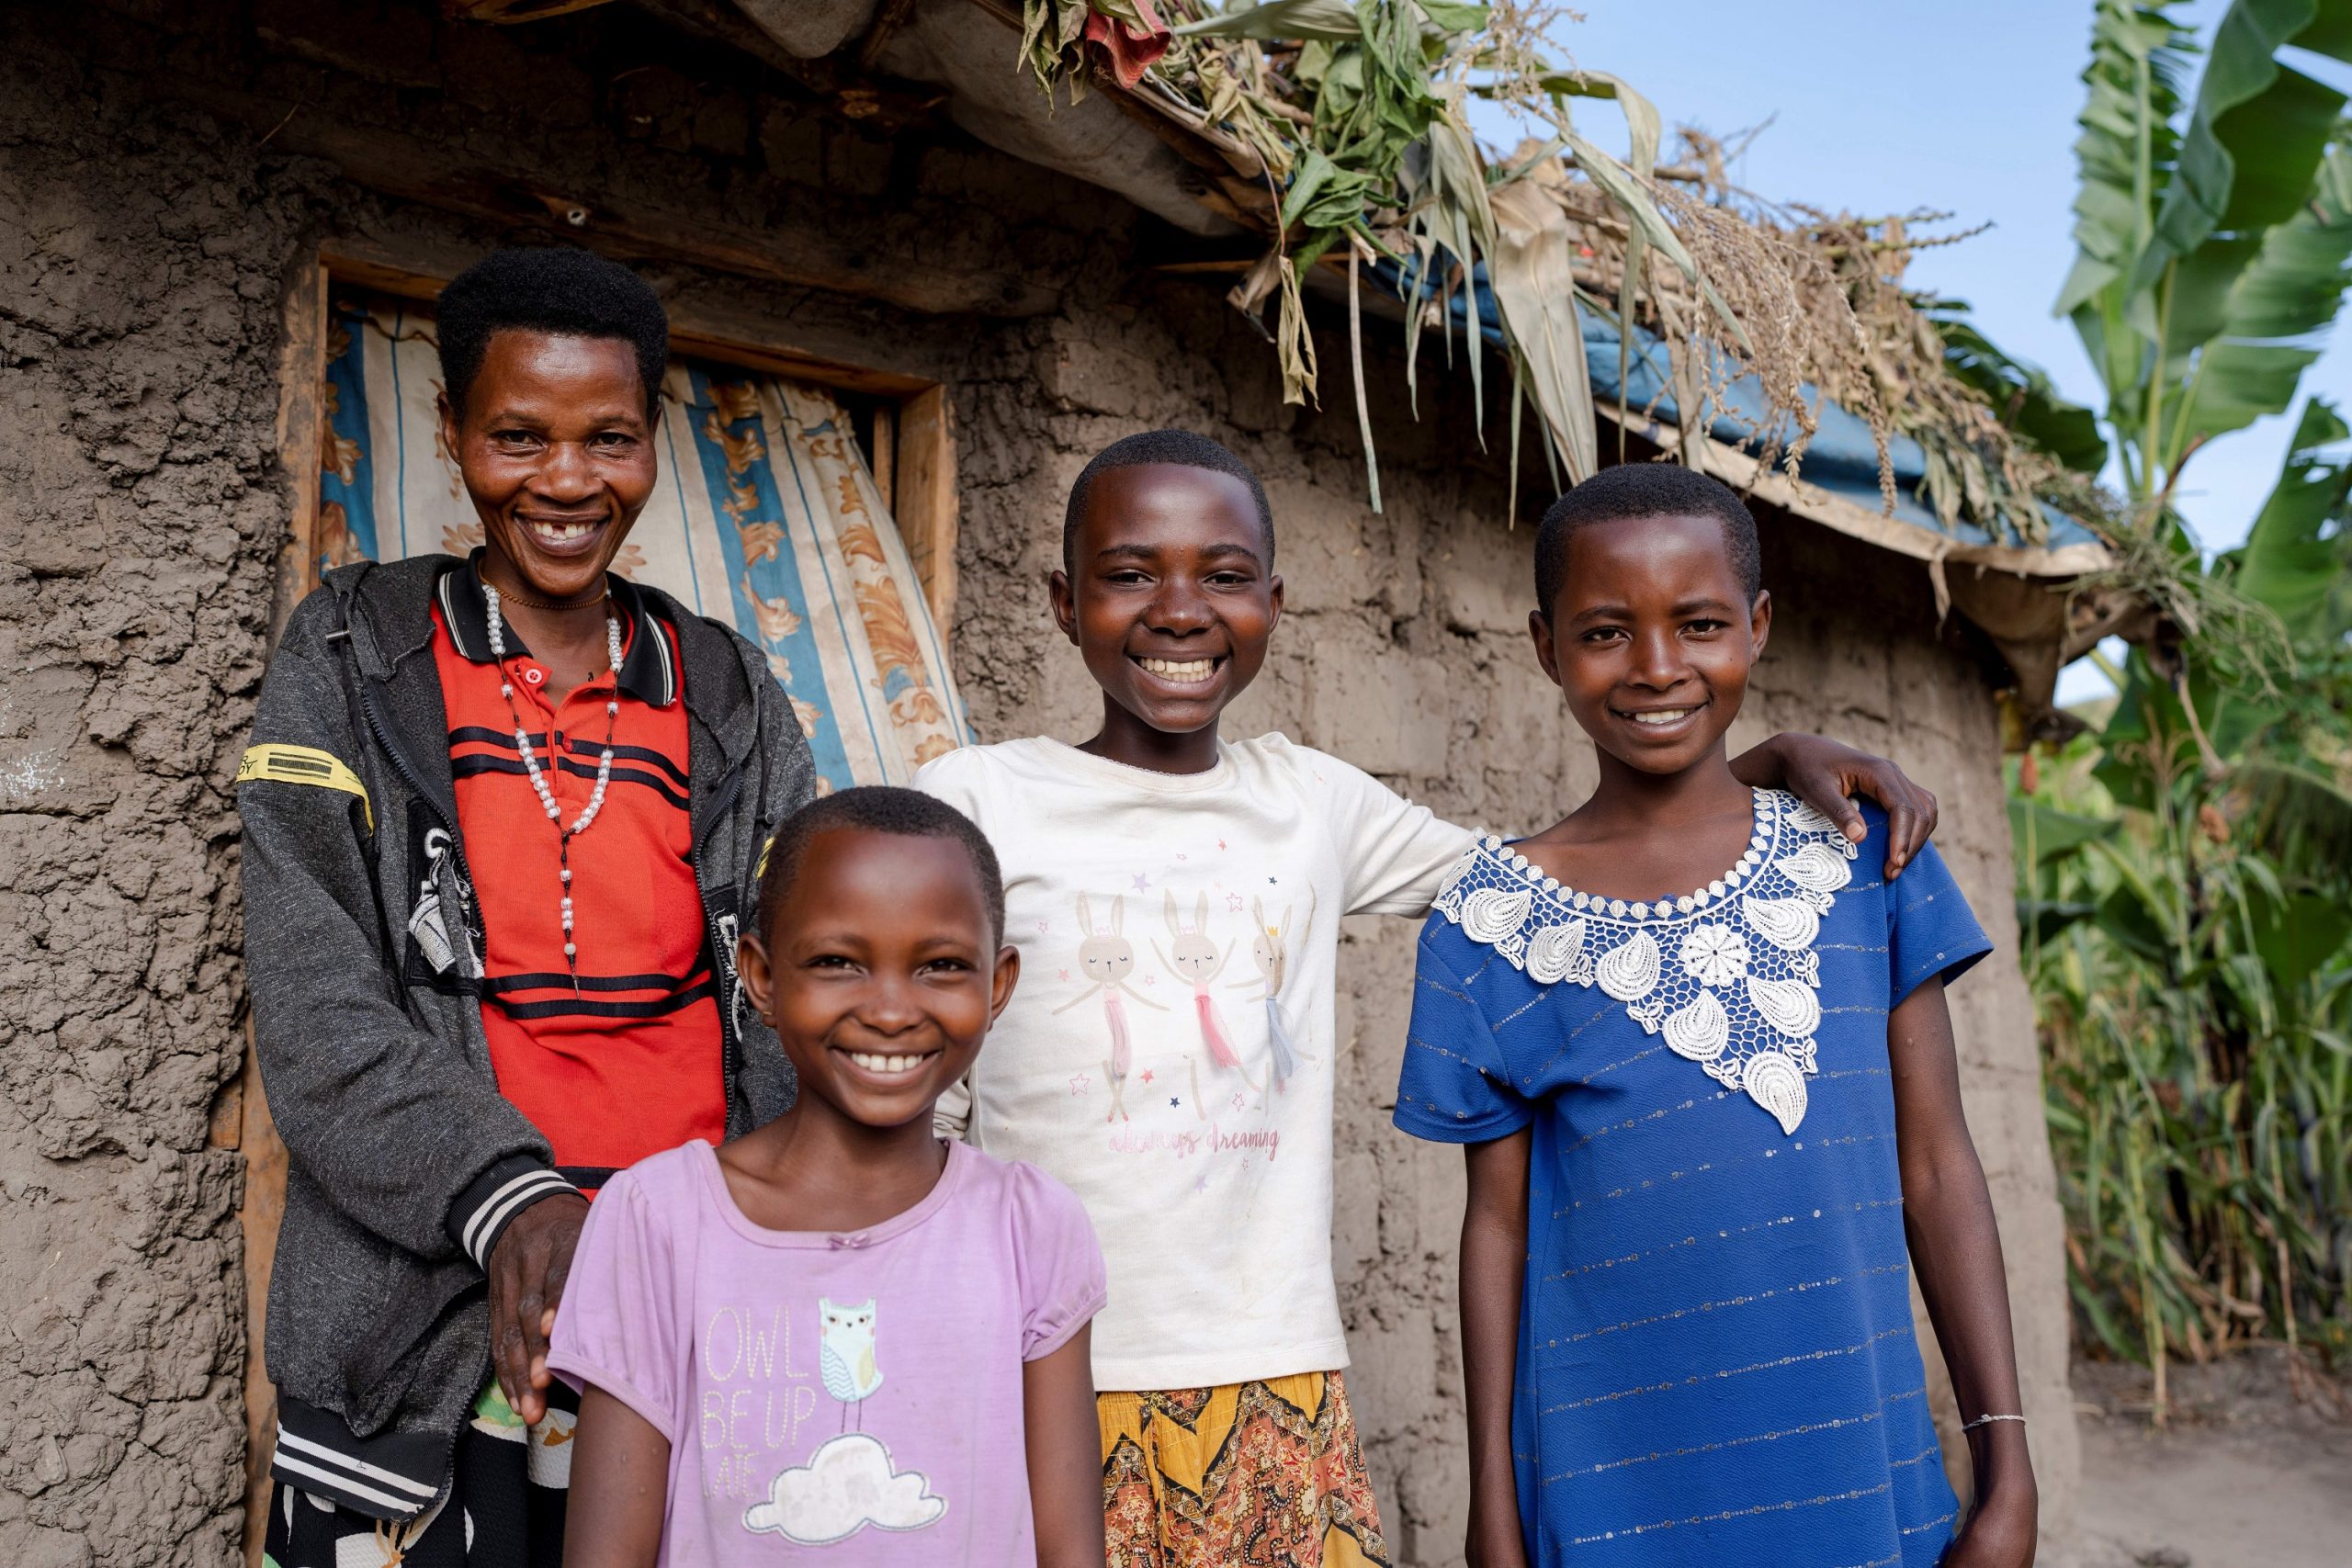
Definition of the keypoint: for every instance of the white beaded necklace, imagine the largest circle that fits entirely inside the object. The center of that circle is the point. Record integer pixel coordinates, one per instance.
(538, 778)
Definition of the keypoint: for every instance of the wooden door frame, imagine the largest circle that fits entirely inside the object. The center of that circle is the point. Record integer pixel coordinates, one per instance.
(914, 468)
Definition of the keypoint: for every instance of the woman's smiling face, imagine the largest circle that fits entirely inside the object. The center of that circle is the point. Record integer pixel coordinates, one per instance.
(1651, 637)
(555, 445)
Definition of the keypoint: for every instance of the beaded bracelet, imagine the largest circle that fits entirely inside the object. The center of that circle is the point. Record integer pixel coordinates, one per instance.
(1981, 1420)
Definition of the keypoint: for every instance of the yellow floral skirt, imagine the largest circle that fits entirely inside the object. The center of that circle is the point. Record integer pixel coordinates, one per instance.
(1257, 1474)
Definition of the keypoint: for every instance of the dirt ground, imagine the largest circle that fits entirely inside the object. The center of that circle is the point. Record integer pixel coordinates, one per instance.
(2243, 1473)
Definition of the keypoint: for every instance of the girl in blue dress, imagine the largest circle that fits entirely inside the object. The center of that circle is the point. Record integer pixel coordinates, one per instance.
(1698, 1049)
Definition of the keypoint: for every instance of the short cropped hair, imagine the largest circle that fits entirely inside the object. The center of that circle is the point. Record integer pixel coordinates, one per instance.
(1183, 448)
(560, 289)
(1645, 489)
(876, 808)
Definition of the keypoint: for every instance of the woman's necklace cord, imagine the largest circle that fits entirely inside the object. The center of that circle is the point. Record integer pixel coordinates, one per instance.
(579, 602)
(538, 778)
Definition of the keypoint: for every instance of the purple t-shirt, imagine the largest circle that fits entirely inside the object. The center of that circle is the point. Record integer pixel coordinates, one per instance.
(860, 1392)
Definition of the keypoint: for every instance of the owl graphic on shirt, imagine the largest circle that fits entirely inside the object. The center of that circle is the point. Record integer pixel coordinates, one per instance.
(846, 1351)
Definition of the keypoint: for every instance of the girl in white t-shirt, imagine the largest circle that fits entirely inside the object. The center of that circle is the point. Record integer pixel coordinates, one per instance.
(1176, 899)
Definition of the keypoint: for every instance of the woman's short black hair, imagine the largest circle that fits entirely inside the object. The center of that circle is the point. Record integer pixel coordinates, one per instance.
(560, 289)
(1645, 489)
(876, 808)
(1183, 449)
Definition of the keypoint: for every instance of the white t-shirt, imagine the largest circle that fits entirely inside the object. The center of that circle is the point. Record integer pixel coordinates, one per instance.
(1141, 1062)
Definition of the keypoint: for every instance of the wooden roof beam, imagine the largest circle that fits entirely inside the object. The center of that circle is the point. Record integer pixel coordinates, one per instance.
(863, 263)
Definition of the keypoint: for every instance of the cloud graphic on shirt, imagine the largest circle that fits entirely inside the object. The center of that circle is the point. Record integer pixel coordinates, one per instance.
(847, 1485)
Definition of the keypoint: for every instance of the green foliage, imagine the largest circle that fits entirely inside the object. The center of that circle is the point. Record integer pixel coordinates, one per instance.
(2287, 561)
(2184, 872)
(2195, 1000)
(2185, 892)
(2211, 246)
(2023, 396)
(2185, 899)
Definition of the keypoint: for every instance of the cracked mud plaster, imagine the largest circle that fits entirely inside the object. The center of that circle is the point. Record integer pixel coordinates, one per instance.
(142, 255)
(139, 289)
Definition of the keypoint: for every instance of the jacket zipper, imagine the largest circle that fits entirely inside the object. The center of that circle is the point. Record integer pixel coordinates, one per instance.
(722, 964)
(417, 788)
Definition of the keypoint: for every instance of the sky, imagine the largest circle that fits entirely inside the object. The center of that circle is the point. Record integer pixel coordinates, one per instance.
(1890, 105)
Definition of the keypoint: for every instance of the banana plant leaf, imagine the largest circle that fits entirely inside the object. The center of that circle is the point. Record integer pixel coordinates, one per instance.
(2043, 833)
(2299, 815)
(2044, 920)
(2022, 394)
(2126, 916)
(2255, 130)
(2258, 308)
(2138, 56)
(2290, 561)
(2147, 717)
(2208, 260)
(2294, 938)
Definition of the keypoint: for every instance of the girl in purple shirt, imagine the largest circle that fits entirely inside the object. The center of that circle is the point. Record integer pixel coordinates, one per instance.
(836, 1331)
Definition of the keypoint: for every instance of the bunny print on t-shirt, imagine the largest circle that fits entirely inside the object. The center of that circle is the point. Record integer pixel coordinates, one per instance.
(1106, 957)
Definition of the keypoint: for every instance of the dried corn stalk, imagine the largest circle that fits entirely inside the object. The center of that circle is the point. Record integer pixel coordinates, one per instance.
(1358, 109)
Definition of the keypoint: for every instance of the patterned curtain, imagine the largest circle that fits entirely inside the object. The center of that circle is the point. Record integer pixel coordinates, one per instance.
(766, 518)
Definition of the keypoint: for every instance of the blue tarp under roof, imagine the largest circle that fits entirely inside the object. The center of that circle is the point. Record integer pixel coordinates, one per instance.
(1841, 458)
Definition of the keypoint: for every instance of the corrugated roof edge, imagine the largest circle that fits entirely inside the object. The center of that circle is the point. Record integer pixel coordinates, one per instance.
(1839, 484)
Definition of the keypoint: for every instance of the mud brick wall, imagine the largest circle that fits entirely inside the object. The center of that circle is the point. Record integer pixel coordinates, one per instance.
(163, 165)
(140, 510)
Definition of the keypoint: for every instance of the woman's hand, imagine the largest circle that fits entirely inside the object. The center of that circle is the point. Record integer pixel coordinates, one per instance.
(2001, 1532)
(528, 1270)
(1825, 775)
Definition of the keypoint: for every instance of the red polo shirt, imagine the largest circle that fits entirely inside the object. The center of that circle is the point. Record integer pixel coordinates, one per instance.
(630, 1062)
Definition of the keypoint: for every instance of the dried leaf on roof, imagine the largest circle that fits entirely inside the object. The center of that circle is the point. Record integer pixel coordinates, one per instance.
(1359, 111)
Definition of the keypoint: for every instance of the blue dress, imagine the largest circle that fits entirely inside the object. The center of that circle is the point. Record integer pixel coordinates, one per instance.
(1716, 1361)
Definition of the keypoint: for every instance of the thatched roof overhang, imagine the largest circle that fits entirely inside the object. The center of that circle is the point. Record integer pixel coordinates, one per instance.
(1159, 152)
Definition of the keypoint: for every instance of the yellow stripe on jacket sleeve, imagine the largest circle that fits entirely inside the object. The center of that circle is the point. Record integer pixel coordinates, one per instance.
(304, 765)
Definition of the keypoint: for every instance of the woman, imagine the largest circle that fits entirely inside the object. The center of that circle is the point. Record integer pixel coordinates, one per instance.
(502, 816)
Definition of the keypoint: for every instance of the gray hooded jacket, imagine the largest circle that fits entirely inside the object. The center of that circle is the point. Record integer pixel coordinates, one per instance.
(406, 1163)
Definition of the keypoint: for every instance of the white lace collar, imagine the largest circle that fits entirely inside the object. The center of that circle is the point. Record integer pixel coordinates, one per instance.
(1745, 1012)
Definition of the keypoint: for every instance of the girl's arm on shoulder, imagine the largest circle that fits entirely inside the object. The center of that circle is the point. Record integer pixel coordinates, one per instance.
(1956, 1253)
(1064, 1442)
(620, 1486)
(1825, 775)
(1493, 1259)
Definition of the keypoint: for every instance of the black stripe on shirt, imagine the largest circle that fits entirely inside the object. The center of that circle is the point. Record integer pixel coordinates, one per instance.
(578, 1007)
(468, 767)
(475, 734)
(499, 985)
